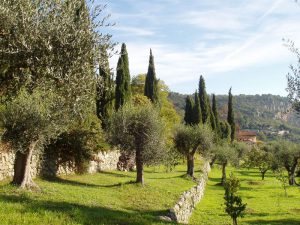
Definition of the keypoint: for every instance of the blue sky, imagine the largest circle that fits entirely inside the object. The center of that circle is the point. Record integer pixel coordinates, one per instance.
(234, 43)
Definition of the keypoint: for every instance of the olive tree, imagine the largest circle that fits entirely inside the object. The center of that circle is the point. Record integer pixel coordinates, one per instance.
(225, 154)
(260, 157)
(139, 129)
(190, 139)
(287, 155)
(51, 48)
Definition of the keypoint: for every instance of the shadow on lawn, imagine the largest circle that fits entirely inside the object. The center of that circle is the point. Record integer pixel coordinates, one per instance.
(82, 214)
(275, 222)
(82, 184)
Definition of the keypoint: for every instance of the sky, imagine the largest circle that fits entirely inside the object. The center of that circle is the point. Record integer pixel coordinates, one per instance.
(232, 43)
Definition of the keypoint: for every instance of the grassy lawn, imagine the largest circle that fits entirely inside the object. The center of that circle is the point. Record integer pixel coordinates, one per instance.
(102, 198)
(266, 202)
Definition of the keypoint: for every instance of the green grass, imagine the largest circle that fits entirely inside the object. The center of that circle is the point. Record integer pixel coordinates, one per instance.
(266, 202)
(102, 198)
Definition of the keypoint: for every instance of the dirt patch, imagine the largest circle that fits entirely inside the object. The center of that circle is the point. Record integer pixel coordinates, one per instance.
(251, 182)
(250, 211)
(295, 210)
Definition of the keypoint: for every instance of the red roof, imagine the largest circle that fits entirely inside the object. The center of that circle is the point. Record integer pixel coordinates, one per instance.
(246, 133)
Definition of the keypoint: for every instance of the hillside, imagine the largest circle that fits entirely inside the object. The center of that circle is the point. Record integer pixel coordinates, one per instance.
(269, 115)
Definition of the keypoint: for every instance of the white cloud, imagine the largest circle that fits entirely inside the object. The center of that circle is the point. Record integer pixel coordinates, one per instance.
(135, 31)
(223, 39)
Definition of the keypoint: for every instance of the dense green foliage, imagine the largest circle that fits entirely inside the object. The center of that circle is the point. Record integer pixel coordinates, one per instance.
(151, 83)
(191, 139)
(188, 112)
(215, 114)
(230, 115)
(105, 91)
(197, 115)
(234, 206)
(139, 129)
(204, 101)
(123, 87)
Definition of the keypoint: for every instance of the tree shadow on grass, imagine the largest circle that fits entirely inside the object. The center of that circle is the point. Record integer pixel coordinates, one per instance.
(82, 184)
(82, 214)
(214, 179)
(116, 174)
(275, 222)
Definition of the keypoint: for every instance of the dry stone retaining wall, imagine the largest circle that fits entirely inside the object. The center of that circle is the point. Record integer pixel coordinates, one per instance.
(183, 209)
(101, 161)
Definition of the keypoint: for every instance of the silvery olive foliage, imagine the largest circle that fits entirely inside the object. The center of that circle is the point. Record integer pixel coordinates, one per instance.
(49, 52)
(139, 128)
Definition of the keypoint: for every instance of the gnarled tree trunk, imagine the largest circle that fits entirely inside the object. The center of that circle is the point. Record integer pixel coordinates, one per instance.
(212, 162)
(223, 180)
(263, 173)
(22, 168)
(291, 172)
(190, 164)
(234, 221)
(139, 167)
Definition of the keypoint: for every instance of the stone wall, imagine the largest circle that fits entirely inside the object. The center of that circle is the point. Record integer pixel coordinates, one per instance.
(101, 161)
(183, 209)
(6, 164)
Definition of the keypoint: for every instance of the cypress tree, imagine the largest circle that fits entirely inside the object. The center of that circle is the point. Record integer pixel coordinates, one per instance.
(215, 113)
(230, 115)
(123, 89)
(211, 118)
(151, 89)
(127, 85)
(120, 98)
(188, 112)
(197, 116)
(105, 91)
(205, 108)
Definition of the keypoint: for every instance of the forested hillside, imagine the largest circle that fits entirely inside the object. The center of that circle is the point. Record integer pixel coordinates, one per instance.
(269, 115)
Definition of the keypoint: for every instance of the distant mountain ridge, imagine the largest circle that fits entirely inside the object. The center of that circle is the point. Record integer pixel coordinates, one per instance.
(270, 115)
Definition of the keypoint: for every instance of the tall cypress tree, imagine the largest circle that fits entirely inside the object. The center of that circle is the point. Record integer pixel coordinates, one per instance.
(211, 121)
(205, 108)
(215, 113)
(151, 83)
(105, 90)
(127, 81)
(120, 98)
(123, 89)
(230, 115)
(197, 115)
(188, 112)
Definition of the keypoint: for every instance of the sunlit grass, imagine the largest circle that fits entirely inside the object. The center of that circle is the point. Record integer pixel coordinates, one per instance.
(102, 198)
(266, 201)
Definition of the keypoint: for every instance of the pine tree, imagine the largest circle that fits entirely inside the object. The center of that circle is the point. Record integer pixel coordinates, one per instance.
(197, 116)
(230, 115)
(188, 114)
(105, 90)
(151, 83)
(205, 109)
(215, 113)
(123, 89)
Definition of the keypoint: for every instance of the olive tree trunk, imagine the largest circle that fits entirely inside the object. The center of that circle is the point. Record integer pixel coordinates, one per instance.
(22, 168)
(223, 179)
(291, 172)
(190, 164)
(234, 221)
(139, 167)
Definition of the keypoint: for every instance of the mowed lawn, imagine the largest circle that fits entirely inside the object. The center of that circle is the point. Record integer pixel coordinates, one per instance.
(102, 198)
(266, 202)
